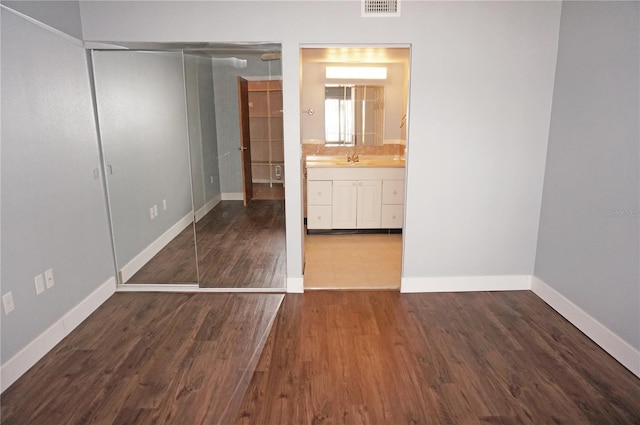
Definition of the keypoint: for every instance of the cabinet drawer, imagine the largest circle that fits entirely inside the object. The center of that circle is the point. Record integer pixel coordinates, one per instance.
(392, 216)
(393, 192)
(319, 217)
(319, 192)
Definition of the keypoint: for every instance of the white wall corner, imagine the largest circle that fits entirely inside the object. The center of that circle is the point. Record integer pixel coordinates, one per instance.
(618, 348)
(16, 366)
(465, 283)
(295, 285)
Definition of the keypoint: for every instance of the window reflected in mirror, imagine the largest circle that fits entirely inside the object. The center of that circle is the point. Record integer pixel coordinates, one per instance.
(354, 115)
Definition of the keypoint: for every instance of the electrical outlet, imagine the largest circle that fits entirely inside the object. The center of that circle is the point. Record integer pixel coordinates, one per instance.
(7, 301)
(48, 276)
(151, 213)
(155, 210)
(39, 282)
(164, 204)
(211, 179)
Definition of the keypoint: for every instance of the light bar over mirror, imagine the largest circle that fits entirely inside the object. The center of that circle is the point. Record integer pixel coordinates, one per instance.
(357, 72)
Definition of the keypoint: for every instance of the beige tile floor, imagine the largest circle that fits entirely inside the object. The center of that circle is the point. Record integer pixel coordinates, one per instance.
(352, 261)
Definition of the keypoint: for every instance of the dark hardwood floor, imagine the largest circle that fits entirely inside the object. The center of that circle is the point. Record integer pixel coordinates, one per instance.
(459, 358)
(264, 191)
(237, 247)
(174, 264)
(148, 358)
(350, 357)
(242, 247)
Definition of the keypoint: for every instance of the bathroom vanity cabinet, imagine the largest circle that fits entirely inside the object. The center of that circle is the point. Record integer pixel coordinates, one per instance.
(355, 197)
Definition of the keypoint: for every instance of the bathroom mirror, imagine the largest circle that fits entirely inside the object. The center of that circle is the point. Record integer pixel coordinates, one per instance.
(354, 114)
(387, 96)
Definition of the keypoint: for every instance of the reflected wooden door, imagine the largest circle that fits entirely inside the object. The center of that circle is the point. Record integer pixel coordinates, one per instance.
(245, 140)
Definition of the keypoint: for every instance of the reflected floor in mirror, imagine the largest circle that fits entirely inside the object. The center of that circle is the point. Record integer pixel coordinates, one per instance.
(237, 247)
(354, 261)
(174, 264)
(265, 191)
(242, 247)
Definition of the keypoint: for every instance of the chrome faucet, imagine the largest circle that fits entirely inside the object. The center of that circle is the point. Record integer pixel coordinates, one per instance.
(353, 158)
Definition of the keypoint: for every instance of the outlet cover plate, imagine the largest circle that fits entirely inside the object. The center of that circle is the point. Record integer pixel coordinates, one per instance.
(7, 301)
(39, 283)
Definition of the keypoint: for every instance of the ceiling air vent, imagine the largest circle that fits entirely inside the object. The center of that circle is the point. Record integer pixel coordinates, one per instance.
(380, 8)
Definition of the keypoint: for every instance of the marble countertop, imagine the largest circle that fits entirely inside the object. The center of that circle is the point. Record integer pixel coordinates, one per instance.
(323, 161)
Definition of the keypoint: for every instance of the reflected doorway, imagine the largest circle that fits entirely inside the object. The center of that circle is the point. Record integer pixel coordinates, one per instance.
(261, 138)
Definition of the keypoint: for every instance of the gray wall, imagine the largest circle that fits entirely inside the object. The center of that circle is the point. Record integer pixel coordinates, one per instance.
(53, 210)
(142, 113)
(203, 144)
(208, 129)
(61, 15)
(195, 133)
(588, 247)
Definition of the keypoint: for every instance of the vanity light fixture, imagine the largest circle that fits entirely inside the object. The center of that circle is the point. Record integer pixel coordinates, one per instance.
(357, 72)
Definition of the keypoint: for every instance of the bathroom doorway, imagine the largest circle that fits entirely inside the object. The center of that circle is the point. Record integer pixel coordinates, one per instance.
(354, 103)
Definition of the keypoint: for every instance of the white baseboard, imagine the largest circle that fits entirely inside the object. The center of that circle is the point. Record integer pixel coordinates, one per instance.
(16, 366)
(232, 196)
(204, 210)
(465, 283)
(183, 288)
(267, 181)
(618, 348)
(295, 285)
(154, 247)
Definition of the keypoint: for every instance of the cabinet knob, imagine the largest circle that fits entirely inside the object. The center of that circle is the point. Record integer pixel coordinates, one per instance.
(395, 192)
(319, 193)
(393, 216)
(319, 218)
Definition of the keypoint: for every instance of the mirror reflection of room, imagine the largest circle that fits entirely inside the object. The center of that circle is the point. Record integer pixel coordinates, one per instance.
(354, 137)
(171, 140)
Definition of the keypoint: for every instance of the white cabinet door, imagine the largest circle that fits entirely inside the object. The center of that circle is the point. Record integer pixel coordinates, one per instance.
(369, 204)
(319, 217)
(393, 192)
(345, 196)
(319, 192)
(392, 216)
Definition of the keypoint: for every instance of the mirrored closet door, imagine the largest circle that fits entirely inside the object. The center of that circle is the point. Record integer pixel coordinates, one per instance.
(169, 126)
(142, 116)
